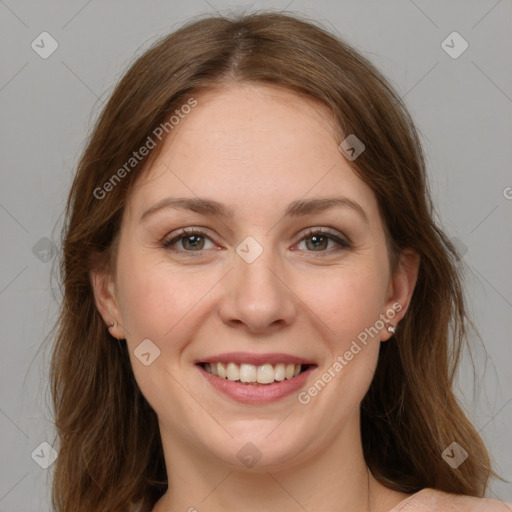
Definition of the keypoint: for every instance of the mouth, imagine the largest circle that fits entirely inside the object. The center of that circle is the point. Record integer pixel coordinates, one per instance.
(256, 375)
(256, 378)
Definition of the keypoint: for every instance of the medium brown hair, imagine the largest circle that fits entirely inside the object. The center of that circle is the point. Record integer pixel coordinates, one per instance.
(110, 452)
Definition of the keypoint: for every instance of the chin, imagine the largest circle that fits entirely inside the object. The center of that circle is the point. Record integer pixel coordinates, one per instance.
(259, 449)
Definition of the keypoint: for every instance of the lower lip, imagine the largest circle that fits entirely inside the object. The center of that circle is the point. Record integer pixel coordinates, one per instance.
(260, 394)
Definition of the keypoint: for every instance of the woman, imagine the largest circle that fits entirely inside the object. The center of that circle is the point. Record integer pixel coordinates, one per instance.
(259, 311)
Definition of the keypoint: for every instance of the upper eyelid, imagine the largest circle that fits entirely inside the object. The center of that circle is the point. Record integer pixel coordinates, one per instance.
(323, 230)
(182, 232)
(340, 238)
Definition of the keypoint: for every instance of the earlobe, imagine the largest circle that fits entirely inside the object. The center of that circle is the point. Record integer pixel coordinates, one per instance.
(400, 291)
(105, 299)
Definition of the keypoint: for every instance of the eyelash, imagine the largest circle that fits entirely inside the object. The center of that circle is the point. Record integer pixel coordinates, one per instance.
(184, 232)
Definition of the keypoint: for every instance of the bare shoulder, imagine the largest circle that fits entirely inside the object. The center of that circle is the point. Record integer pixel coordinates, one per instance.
(472, 504)
(432, 500)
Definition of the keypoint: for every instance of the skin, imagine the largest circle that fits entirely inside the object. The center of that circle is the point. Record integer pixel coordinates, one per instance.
(255, 149)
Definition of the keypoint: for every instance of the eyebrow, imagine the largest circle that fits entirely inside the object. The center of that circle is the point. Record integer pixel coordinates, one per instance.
(297, 208)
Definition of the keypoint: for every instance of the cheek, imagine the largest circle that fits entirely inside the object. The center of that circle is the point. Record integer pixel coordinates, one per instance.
(151, 299)
(347, 301)
(347, 304)
(159, 302)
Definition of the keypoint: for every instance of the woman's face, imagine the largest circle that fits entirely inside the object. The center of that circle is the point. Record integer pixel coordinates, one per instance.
(284, 264)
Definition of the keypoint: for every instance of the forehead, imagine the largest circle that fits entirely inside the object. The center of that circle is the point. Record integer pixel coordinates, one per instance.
(248, 146)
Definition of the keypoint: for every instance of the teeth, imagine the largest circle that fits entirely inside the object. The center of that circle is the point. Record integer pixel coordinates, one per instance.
(249, 373)
(233, 371)
(279, 374)
(266, 374)
(289, 371)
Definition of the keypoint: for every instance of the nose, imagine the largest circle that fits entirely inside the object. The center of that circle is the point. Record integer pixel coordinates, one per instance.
(257, 297)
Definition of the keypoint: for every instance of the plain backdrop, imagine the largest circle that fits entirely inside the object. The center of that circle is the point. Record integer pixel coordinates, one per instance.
(462, 107)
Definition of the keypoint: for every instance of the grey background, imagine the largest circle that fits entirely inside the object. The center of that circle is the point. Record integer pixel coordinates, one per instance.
(461, 106)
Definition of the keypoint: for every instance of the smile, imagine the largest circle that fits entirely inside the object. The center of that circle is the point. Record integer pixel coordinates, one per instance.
(256, 378)
(263, 374)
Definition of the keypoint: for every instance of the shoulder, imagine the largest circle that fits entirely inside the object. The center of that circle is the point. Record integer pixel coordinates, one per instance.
(432, 500)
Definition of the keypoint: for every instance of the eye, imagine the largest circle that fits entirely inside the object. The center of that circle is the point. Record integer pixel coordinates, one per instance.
(321, 240)
(188, 240)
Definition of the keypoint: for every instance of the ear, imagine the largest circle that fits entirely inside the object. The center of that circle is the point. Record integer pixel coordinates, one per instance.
(400, 289)
(106, 302)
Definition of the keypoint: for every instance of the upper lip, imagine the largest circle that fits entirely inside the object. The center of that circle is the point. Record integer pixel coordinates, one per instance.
(255, 359)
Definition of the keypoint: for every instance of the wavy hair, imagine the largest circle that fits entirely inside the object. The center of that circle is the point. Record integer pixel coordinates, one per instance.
(110, 451)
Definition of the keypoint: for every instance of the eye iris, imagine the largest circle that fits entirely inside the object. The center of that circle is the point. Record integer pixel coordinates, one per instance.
(318, 241)
(193, 242)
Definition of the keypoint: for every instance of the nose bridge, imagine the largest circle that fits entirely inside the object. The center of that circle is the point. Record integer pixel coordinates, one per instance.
(257, 296)
(257, 279)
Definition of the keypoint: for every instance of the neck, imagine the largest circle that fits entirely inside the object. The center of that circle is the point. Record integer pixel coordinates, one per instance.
(337, 478)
